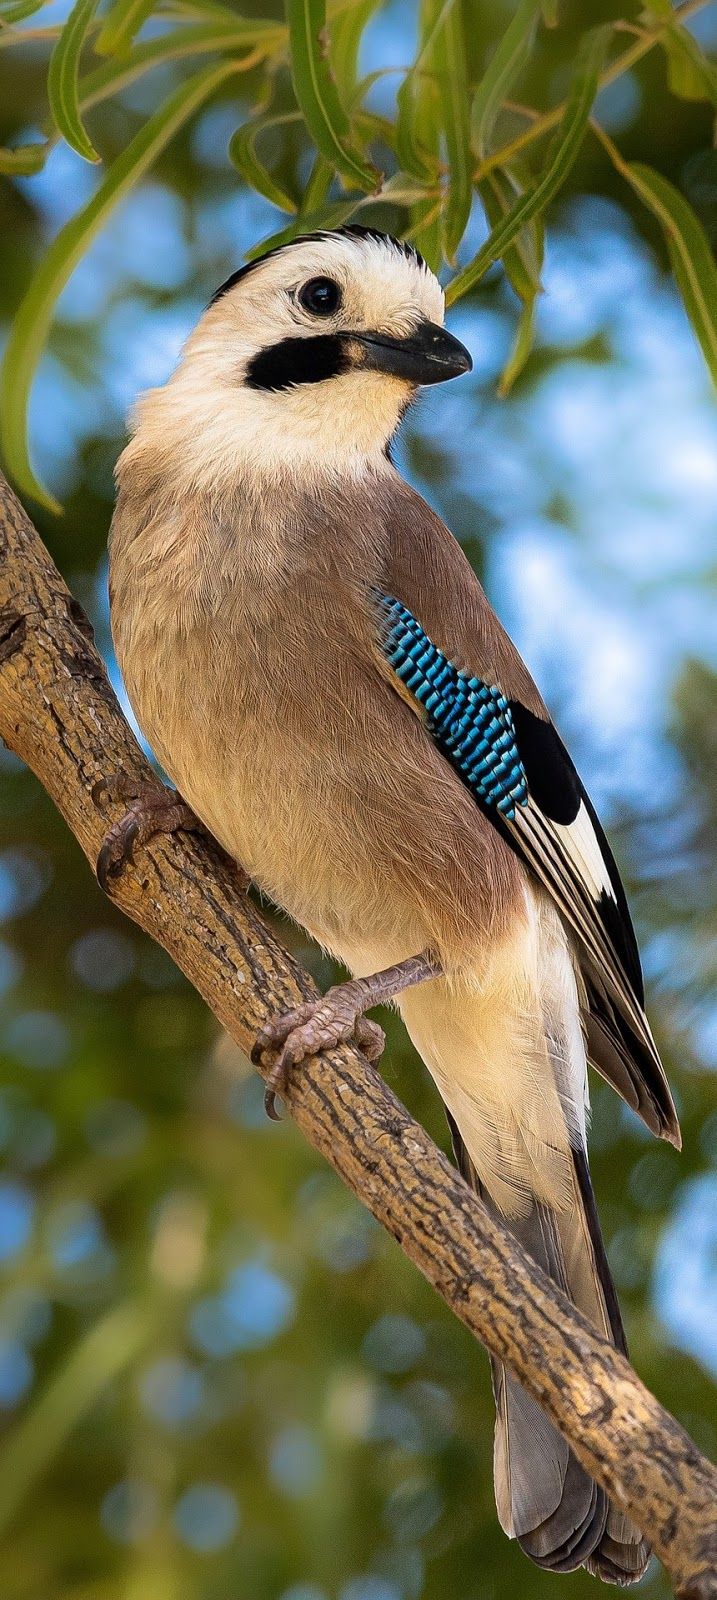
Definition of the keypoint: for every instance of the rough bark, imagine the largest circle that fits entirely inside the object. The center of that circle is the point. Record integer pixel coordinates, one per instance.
(58, 712)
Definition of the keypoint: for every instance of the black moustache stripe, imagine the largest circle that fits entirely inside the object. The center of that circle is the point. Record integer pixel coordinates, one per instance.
(294, 361)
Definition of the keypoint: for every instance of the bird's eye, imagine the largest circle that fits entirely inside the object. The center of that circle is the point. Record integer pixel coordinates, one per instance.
(320, 296)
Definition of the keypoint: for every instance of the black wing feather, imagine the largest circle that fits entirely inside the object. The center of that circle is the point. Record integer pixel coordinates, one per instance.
(520, 774)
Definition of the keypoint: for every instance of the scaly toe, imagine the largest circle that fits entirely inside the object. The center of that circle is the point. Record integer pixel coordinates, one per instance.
(370, 1039)
(117, 850)
(276, 1031)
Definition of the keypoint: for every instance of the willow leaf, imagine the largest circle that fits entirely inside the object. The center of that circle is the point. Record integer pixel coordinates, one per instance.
(62, 79)
(505, 67)
(24, 161)
(521, 348)
(347, 28)
(197, 38)
(318, 96)
(30, 327)
(523, 260)
(561, 158)
(417, 138)
(99, 1357)
(327, 217)
(318, 186)
(691, 257)
(123, 21)
(451, 71)
(689, 73)
(19, 11)
(426, 230)
(242, 152)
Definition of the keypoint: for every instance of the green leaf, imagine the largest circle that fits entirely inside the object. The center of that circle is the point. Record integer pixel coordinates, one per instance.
(347, 27)
(521, 349)
(30, 327)
(394, 193)
(19, 11)
(123, 21)
(690, 254)
(689, 73)
(126, 17)
(523, 260)
(426, 230)
(62, 79)
(450, 57)
(242, 152)
(318, 186)
(24, 161)
(505, 67)
(330, 216)
(418, 123)
(97, 1360)
(318, 96)
(561, 157)
(550, 13)
(194, 39)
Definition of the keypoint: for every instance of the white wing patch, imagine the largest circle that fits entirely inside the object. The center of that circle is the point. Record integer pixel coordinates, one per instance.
(581, 844)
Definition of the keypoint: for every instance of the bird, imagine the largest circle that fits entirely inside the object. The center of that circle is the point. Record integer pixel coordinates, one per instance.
(318, 670)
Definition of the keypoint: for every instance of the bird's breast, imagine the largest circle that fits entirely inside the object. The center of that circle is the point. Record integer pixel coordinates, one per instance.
(297, 753)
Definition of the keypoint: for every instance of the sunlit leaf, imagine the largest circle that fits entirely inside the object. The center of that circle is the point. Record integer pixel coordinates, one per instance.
(318, 96)
(417, 139)
(318, 186)
(24, 160)
(560, 160)
(503, 71)
(521, 348)
(426, 229)
(196, 39)
(450, 57)
(397, 191)
(101, 1355)
(329, 216)
(690, 254)
(124, 19)
(523, 260)
(19, 10)
(689, 73)
(30, 327)
(550, 13)
(223, 13)
(62, 79)
(347, 27)
(242, 152)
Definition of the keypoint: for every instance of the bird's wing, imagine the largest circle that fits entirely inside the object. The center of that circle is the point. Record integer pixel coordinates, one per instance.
(512, 759)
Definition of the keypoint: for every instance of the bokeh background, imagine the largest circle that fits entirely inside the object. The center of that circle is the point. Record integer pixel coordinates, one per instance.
(218, 1378)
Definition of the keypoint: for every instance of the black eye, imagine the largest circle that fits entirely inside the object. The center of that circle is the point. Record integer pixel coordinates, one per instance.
(320, 296)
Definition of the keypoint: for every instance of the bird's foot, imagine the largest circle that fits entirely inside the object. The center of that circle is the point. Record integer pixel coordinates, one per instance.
(152, 809)
(318, 1025)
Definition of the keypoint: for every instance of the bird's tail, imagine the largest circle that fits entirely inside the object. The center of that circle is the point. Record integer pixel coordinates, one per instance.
(545, 1499)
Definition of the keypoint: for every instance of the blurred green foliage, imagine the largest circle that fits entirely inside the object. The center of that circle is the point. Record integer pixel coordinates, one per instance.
(457, 129)
(217, 1377)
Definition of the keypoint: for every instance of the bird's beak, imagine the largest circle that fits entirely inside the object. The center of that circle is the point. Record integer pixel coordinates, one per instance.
(428, 355)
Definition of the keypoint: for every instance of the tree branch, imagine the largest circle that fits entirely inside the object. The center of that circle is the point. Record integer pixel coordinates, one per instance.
(58, 712)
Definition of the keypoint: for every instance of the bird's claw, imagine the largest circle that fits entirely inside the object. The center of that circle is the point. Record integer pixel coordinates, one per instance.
(317, 1025)
(151, 810)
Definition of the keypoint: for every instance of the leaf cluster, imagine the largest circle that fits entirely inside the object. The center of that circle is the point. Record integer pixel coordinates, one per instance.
(459, 139)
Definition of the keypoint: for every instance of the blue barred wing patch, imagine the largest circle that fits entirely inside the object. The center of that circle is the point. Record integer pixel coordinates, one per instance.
(471, 721)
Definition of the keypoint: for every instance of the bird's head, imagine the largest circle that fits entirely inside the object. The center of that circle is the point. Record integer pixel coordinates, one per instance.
(307, 358)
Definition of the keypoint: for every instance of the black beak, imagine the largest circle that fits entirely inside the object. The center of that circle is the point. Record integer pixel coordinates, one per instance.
(429, 355)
